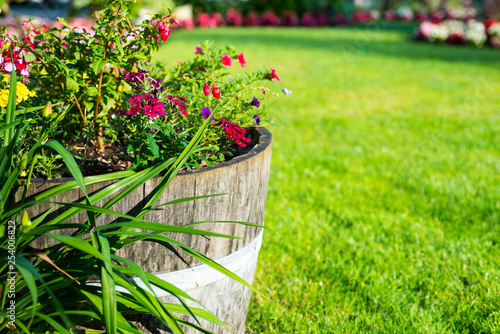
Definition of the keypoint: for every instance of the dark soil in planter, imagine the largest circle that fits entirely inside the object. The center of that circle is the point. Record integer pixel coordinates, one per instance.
(97, 162)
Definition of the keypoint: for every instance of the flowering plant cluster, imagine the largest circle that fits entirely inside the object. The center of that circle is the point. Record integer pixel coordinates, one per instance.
(459, 32)
(80, 65)
(122, 110)
(156, 117)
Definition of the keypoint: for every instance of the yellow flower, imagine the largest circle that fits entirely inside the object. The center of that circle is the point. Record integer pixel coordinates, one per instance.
(4, 98)
(22, 94)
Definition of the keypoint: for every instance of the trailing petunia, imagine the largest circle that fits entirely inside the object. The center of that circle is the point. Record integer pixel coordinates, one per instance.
(226, 60)
(255, 102)
(241, 59)
(273, 75)
(205, 113)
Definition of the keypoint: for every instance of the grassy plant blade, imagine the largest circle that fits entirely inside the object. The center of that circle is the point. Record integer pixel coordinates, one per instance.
(224, 222)
(174, 169)
(142, 275)
(53, 323)
(187, 199)
(96, 300)
(78, 244)
(70, 163)
(11, 107)
(201, 313)
(30, 283)
(108, 286)
(21, 262)
(172, 289)
(154, 305)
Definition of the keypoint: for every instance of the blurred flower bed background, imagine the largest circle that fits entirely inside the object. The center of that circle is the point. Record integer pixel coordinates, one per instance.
(452, 22)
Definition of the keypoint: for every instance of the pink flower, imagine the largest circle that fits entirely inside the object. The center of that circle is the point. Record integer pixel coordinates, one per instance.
(226, 60)
(198, 49)
(241, 59)
(175, 20)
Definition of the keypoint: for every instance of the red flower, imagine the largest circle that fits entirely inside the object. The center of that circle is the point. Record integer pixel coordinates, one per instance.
(234, 132)
(216, 91)
(226, 60)
(206, 89)
(241, 59)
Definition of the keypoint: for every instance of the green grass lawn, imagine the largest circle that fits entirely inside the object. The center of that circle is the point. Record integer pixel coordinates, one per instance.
(384, 198)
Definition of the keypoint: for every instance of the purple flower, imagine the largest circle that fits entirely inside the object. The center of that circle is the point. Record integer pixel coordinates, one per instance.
(205, 112)
(255, 102)
(286, 91)
(256, 119)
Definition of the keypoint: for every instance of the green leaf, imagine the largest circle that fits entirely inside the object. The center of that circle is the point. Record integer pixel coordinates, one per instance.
(72, 85)
(92, 91)
(97, 65)
(153, 146)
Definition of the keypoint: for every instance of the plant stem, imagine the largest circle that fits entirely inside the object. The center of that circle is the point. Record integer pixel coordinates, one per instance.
(80, 109)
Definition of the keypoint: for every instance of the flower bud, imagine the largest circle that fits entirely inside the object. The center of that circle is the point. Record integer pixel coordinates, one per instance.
(25, 223)
(47, 110)
(206, 89)
(216, 91)
(24, 162)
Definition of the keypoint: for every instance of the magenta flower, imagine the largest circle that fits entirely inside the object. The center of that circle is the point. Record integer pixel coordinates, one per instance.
(235, 132)
(241, 59)
(205, 113)
(226, 60)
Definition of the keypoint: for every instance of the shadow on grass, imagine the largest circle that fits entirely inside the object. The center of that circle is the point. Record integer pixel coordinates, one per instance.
(360, 40)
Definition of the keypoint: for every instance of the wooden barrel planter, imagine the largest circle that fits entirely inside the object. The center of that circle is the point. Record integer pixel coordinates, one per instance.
(245, 178)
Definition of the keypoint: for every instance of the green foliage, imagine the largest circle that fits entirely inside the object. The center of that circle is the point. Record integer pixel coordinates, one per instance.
(81, 67)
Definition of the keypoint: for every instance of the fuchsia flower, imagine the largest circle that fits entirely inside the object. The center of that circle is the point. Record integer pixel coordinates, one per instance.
(164, 31)
(235, 132)
(226, 60)
(19, 62)
(241, 59)
(175, 21)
